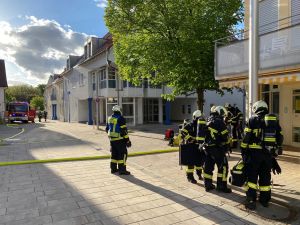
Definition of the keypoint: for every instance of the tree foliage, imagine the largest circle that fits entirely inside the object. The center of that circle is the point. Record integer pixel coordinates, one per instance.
(174, 38)
(37, 102)
(23, 92)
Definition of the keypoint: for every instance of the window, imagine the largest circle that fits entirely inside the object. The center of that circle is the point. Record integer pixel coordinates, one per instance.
(94, 81)
(296, 134)
(270, 94)
(102, 77)
(296, 101)
(189, 109)
(183, 109)
(127, 109)
(295, 7)
(80, 79)
(268, 16)
(111, 77)
(112, 100)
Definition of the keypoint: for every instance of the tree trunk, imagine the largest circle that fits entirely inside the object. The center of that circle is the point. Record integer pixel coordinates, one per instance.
(200, 100)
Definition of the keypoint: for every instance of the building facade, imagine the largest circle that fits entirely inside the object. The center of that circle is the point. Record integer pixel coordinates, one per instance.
(279, 62)
(3, 85)
(90, 86)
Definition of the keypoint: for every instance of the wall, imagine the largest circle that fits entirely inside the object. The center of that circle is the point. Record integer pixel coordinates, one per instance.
(83, 110)
(211, 97)
(176, 108)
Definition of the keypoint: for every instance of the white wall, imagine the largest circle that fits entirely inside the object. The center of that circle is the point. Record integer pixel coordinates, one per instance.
(211, 97)
(176, 108)
(83, 110)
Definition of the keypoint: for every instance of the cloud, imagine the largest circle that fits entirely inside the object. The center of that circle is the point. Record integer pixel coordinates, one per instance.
(101, 3)
(40, 47)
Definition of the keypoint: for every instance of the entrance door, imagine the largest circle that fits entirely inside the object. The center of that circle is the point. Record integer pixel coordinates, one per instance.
(270, 94)
(151, 110)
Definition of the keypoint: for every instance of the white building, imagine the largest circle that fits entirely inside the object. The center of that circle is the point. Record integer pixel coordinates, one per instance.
(91, 87)
(3, 85)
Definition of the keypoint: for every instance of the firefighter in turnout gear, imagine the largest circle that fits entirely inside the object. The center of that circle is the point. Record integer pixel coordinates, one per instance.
(192, 133)
(262, 139)
(234, 115)
(119, 141)
(216, 147)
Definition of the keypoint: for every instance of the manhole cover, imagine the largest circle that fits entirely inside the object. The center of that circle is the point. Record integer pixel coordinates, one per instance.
(277, 211)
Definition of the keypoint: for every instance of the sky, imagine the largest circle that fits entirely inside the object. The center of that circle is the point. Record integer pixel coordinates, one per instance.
(36, 36)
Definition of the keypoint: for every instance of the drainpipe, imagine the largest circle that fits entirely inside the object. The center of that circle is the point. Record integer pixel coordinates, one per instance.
(253, 54)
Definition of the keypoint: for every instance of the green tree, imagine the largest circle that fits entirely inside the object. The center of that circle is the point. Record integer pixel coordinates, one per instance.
(174, 38)
(20, 93)
(37, 102)
(41, 89)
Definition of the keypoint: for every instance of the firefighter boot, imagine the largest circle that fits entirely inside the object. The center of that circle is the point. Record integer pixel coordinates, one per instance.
(208, 185)
(250, 204)
(264, 203)
(199, 173)
(190, 178)
(222, 187)
(122, 170)
(113, 167)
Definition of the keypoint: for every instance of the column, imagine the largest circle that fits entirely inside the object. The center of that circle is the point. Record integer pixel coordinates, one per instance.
(90, 101)
(160, 112)
(168, 113)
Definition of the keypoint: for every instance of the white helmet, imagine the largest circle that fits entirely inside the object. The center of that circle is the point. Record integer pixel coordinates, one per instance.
(259, 106)
(116, 108)
(213, 109)
(221, 111)
(227, 105)
(197, 114)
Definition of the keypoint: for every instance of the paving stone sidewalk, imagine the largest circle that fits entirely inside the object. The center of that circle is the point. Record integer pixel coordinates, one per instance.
(157, 193)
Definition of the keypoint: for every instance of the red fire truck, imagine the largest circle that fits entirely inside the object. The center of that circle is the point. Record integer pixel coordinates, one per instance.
(20, 111)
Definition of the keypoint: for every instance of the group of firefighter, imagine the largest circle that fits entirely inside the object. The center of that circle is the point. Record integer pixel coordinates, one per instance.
(206, 142)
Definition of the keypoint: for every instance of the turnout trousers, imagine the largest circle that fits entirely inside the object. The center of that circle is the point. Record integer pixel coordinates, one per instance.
(118, 155)
(216, 156)
(259, 166)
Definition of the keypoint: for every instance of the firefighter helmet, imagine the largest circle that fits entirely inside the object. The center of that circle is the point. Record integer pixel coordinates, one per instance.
(221, 111)
(259, 106)
(227, 105)
(116, 108)
(197, 114)
(213, 109)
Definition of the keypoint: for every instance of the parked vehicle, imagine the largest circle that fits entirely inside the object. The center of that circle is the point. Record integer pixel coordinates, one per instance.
(20, 111)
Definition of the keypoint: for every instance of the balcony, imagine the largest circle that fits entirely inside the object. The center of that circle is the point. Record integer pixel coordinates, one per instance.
(278, 51)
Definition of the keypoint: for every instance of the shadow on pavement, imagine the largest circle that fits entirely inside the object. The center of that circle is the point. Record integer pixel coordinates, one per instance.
(190, 204)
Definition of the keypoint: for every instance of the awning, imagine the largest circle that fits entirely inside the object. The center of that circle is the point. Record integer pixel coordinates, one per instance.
(274, 79)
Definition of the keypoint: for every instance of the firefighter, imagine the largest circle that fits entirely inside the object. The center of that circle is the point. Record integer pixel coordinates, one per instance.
(40, 115)
(45, 115)
(262, 139)
(216, 147)
(188, 134)
(232, 121)
(119, 141)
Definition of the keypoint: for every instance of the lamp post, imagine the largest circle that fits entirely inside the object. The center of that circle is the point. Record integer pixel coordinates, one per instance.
(253, 54)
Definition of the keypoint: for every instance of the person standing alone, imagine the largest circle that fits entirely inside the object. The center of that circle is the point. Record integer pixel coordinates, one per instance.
(119, 141)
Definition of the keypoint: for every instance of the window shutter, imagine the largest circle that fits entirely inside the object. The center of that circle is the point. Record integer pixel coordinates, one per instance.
(268, 16)
(295, 11)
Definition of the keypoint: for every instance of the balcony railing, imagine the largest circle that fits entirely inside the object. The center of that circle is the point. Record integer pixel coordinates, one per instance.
(280, 48)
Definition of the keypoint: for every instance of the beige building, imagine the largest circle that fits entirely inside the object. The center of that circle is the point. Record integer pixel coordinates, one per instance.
(279, 62)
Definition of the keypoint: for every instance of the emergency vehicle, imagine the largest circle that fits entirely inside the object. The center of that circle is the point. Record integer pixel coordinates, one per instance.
(19, 111)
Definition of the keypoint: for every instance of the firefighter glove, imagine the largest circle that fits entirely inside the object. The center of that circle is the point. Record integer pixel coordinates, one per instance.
(276, 169)
(128, 144)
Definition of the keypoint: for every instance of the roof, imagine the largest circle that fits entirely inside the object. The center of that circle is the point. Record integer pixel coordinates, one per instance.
(3, 81)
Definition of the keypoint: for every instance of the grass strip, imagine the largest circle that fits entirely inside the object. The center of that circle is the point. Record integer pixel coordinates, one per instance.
(84, 158)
